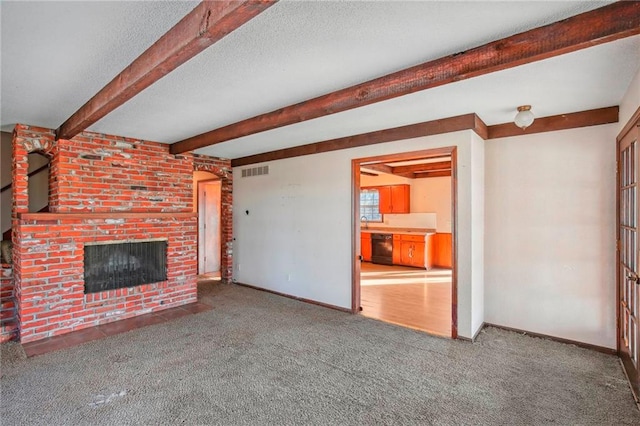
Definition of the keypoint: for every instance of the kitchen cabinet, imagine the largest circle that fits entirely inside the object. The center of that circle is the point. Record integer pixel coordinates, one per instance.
(397, 252)
(365, 246)
(442, 254)
(394, 198)
(412, 250)
(415, 254)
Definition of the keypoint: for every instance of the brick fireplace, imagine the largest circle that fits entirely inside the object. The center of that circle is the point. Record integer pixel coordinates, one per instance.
(104, 190)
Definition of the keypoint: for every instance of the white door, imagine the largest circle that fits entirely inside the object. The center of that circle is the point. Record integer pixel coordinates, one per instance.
(209, 226)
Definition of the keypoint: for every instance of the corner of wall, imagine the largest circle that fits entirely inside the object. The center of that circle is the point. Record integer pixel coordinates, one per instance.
(630, 102)
(477, 231)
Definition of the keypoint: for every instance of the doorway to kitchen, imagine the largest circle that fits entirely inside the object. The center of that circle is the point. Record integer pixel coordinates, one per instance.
(404, 269)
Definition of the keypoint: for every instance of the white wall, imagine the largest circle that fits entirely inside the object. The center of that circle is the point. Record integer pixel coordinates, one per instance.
(550, 230)
(297, 236)
(630, 102)
(550, 234)
(477, 231)
(433, 195)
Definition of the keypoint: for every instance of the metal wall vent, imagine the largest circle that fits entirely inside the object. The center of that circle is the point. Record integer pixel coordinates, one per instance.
(255, 171)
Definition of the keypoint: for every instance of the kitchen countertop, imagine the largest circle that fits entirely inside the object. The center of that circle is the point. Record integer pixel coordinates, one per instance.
(409, 231)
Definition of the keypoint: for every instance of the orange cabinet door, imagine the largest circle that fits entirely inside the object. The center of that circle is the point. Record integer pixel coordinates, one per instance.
(365, 246)
(417, 255)
(397, 251)
(442, 250)
(410, 251)
(406, 250)
(386, 203)
(394, 198)
(400, 198)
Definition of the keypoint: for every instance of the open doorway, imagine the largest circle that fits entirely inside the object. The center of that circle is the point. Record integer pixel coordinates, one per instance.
(208, 205)
(404, 240)
(38, 182)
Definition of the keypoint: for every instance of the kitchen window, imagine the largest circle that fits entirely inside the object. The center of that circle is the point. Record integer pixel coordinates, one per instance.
(370, 204)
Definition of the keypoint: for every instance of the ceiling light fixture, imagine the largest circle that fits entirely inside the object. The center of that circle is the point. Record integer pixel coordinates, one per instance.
(524, 117)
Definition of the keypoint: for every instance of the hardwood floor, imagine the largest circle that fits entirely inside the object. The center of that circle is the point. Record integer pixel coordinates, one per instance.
(210, 276)
(409, 297)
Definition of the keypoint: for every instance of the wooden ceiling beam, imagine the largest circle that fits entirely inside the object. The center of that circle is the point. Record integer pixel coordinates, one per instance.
(612, 22)
(382, 168)
(440, 165)
(435, 127)
(594, 117)
(446, 125)
(408, 175)
(203, 26)
(438, 173)
(368, 173)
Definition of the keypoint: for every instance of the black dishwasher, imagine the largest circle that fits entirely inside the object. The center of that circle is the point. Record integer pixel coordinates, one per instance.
(382, 249)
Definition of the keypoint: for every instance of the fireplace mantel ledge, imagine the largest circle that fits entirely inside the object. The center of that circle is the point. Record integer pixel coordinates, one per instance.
(104, 215)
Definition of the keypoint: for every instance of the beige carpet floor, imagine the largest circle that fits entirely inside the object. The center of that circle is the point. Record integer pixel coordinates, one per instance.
(260, 359)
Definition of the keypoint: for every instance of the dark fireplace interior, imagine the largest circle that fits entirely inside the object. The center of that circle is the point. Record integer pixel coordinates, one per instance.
(113, 266)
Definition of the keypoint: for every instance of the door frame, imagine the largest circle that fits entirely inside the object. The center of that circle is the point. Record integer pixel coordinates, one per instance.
(632, 124)
(205, 181)
(355, 221)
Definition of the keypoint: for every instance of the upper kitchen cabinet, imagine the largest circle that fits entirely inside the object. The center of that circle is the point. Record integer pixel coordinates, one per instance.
(394, 198)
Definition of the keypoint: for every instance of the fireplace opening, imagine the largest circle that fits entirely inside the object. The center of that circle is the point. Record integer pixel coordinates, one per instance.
(119, 265)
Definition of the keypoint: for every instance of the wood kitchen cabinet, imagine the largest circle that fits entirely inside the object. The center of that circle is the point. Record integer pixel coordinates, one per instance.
(412, 250)
(394, 198)
(416, 254)
(397, 249)
(442, 253)
(365, 246)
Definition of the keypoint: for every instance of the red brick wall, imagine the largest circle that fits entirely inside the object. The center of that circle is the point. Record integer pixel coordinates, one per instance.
(94, 175)
(222, 169)
(117, 174)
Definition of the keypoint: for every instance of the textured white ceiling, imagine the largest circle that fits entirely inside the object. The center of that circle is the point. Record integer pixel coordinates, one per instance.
(593, 78)
(56, 55)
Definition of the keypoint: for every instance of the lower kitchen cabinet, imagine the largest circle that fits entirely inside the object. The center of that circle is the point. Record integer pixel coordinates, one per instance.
(397, 251)
(442, 253)
(412, 250)
(413, 254)
(365, 246)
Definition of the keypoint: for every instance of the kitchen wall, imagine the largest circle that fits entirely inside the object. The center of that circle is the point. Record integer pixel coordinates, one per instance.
(428, 195)
(294, 225)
